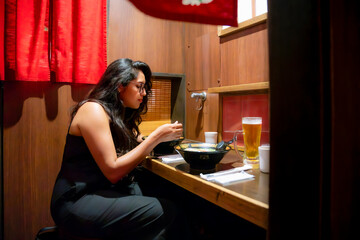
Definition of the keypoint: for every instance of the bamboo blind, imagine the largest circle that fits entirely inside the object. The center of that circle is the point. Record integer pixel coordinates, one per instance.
(159, 106)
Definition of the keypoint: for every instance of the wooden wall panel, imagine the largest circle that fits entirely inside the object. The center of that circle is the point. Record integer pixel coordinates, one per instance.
(135, 35)
(36, 117)
(344, 194)
(211, 61)
(207, 119)
(202, 70)
(212, 114)
(202, 56)
(244, 57)
(194, 118)
(1, 159)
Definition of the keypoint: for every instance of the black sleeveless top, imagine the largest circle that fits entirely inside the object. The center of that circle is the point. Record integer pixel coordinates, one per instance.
(79, 172)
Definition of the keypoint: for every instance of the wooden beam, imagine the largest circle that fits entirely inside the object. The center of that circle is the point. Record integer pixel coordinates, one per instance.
(240, 88)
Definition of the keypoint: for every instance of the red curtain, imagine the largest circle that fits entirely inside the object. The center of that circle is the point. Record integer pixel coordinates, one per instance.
(217, 12)
(79, 40)
(66, 37)
(26, 39)
(2, 21)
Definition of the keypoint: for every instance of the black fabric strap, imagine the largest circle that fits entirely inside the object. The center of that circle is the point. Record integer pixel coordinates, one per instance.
(46, 230)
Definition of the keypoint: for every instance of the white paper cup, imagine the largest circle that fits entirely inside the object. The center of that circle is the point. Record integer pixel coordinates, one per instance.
(211, 137)
(264, 158)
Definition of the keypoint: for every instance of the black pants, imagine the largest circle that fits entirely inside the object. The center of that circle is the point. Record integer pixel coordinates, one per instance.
(125, 214)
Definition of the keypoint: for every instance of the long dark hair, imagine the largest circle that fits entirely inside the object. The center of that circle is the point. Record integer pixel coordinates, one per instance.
(123, 121)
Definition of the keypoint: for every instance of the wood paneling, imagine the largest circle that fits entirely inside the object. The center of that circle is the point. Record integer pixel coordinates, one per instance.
(194, 119)
(1, 160)
(132, 34)
(211, 114)
(244, 57)
(295, 103)
(241, 57)
(314, 100)
(344, 191)
(36, 117)
(202, 56)
(202, 62)
(200, 121)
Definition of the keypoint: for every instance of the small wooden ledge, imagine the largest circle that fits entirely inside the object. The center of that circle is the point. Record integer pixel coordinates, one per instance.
(243, 25)
(250, 87)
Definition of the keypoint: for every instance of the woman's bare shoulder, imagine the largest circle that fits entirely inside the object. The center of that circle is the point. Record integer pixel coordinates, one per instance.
(92, 110)
(88, 116)
(92, 106)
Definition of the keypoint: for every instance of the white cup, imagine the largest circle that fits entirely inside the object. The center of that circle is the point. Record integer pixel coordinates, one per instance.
(264, 158)
(211, 137)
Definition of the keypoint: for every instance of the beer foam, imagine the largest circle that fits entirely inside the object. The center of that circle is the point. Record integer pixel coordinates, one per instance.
(265, 147)
(254, 120)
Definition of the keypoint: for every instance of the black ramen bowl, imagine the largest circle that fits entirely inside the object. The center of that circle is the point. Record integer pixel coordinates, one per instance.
(167, 147)
(201, 156)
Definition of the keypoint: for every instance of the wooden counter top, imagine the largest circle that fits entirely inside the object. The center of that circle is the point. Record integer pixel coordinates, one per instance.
(247, 199)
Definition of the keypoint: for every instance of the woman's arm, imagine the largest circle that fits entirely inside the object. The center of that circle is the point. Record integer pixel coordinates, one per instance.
(92, 123)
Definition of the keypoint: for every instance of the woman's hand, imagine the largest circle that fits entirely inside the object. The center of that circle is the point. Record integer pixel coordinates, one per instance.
(168, 132)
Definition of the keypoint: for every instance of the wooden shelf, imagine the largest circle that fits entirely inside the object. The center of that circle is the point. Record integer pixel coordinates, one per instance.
(243, 25)
(261, 86)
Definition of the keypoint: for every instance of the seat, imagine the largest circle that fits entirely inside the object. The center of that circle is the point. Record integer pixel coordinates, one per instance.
(64, 235)
(57, 233)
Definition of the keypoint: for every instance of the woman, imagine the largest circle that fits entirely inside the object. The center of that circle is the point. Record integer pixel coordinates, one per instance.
(94, 195)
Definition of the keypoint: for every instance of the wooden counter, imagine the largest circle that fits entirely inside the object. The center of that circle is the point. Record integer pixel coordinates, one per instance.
(247, 199)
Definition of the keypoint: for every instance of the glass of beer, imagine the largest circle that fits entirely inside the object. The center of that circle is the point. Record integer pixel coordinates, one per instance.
(251, 133)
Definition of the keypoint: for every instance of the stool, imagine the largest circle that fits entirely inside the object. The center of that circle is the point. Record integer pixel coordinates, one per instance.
(56, 233)
(65, 235)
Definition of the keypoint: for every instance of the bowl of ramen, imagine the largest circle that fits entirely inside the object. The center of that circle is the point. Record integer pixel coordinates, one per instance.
(201, 156)
(164, 148)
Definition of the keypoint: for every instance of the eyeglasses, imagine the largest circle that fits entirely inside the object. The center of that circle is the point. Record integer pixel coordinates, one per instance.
(140, 86)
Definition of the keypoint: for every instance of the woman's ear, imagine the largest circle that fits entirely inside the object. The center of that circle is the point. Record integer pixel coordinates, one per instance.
(120, 88)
